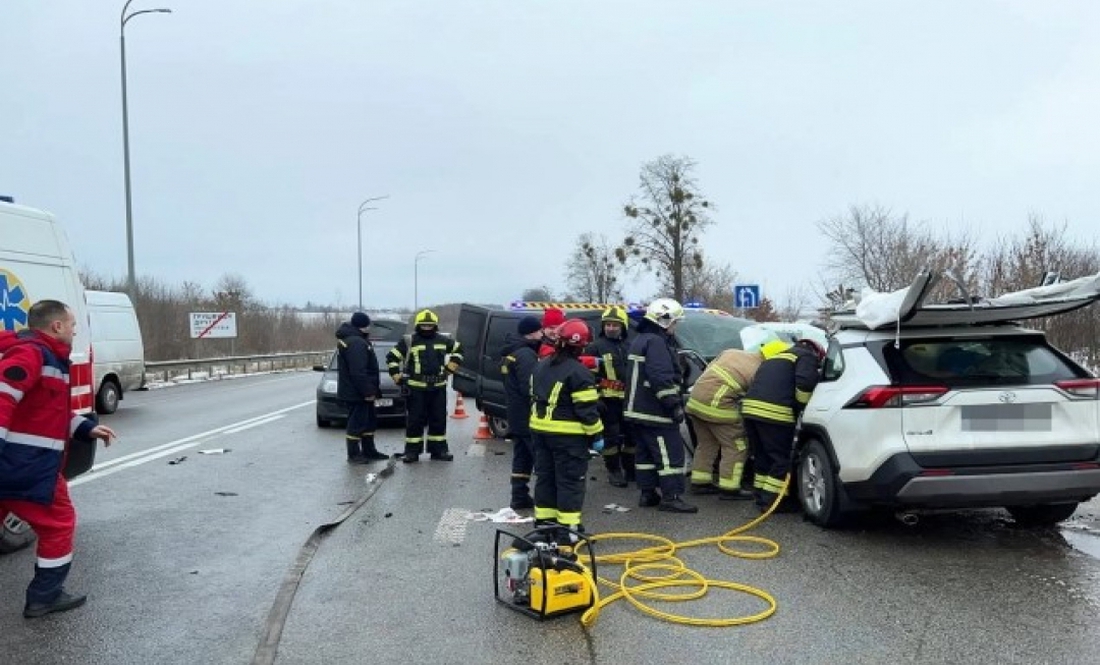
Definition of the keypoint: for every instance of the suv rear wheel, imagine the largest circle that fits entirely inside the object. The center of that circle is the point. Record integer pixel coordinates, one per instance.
(1042, 515)
(817, 482)
(499, 427)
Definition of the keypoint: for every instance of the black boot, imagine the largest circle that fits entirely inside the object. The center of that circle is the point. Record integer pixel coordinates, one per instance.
(627, 460)
(702, 488)
(674, 504)
(368, 451)
(614, 470)
(649, 499)
(353, 453)
(443, 456)
(521, 496)
(45, 593)
(734, 495)
(15, 534)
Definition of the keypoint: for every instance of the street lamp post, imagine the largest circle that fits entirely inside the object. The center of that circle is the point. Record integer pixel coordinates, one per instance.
(416, 277)
(363, 207)
(124, 18)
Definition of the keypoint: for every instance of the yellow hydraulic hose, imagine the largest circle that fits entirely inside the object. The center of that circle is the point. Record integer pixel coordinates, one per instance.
(657, 567)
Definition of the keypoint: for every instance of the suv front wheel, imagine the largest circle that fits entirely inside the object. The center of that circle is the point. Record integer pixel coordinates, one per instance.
(818, 487)
(1042, 515)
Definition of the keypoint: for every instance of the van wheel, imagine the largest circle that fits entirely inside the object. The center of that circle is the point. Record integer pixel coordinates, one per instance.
(818, 487)
(106, 400)
(498, 427)
(1042, 515)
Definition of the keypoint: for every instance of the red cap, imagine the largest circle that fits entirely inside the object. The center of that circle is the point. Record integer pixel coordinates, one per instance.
(553, 317)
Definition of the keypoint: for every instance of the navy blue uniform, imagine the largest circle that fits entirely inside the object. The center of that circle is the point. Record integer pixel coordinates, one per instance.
(358, 379)
(518, 362)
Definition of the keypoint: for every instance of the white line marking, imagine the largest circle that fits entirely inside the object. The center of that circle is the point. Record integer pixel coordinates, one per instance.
(255, 424)
(172, 447)
(452, 526)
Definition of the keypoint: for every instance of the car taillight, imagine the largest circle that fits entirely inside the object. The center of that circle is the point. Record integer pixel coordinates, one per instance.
(878, 397)
(1084, 388)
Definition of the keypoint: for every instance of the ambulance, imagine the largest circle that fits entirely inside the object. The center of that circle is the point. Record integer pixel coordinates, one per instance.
(36, 263)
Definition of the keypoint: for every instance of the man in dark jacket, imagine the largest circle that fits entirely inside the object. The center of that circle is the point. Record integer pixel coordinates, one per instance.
(358, 387)
(654, 408)
(518, 361)
(36, 424)
(423, 361)
(771, 407)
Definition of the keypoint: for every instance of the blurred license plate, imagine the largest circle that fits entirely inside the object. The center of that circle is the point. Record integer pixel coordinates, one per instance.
(1007, 418)
(384, 401)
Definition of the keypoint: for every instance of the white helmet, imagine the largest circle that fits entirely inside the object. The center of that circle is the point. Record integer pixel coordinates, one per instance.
(753, 338)
(664, 312)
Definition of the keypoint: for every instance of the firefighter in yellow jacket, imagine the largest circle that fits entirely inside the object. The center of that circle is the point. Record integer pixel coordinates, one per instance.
(714, 407)
(782, 387)
(565, 423)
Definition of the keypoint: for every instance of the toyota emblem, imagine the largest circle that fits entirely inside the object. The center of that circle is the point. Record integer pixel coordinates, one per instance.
(1007, 397)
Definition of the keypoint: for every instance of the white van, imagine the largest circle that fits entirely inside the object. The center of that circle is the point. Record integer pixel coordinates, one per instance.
(118, 355)
(36, 263)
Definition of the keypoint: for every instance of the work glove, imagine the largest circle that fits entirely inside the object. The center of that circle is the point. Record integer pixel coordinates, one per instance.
(597, 445)
(678, 414)
(398, 379)
(452, 367)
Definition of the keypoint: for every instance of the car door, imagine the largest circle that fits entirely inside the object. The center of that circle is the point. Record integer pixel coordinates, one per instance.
(472, 320)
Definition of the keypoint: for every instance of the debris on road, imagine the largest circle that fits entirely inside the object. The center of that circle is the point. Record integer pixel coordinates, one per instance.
(178, 460)
(615, 508)
(226, 493)
(215, 451)
(502, 516)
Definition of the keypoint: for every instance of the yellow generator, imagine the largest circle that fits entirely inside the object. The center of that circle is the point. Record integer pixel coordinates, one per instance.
(539, 576)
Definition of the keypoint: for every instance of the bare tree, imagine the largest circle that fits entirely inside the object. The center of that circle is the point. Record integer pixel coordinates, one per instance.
(537, 294)
(794, 306)
(593, 274)
(667, 218)
(710, 284)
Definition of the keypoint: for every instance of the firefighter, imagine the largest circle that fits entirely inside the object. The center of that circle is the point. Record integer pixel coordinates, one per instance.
(565, 423)
(518, 361)
(714, 407)
(421, 362)
(771, 407)
(358, 386)
(610, 350)
(655, 410)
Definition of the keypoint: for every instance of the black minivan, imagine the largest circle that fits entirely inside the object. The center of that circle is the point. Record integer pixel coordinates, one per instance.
(702, 335)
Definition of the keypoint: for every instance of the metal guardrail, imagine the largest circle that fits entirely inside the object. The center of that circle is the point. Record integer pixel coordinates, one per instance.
(167, 370)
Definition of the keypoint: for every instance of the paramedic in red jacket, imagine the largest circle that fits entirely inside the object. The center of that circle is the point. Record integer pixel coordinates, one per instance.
(36, 423)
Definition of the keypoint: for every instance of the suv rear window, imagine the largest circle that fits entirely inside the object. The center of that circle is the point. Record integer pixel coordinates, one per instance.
(970, 361)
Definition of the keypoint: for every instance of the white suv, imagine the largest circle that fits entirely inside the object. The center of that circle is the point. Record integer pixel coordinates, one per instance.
(917, 417)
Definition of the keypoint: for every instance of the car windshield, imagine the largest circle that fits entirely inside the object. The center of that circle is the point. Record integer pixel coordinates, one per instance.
(709, 334)
(1025, 360)
(380, 351)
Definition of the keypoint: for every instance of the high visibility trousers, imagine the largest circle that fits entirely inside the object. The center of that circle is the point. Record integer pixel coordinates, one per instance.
(659, 459)
(55, 525)
(561, 467)
(714, 439)
(426, 408)
(771, 444)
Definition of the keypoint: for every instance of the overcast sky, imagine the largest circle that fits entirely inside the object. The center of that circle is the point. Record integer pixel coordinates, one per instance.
(502, 130)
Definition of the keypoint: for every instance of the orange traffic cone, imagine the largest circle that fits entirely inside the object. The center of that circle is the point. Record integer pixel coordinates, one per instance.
(483, 432)
(460, 408)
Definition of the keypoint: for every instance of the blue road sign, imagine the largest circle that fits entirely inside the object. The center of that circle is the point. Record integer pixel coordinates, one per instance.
(746, 296)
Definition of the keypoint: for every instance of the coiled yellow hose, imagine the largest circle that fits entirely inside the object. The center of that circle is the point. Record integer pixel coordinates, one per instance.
(658, 567)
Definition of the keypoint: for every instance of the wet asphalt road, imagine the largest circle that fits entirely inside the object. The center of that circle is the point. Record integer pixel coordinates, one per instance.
(182, 562)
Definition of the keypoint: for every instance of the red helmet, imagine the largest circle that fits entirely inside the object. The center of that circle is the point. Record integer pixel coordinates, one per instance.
(575, 333)
(814, 346)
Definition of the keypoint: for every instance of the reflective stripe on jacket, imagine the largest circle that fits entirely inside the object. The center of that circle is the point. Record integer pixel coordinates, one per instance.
(782, 386)
(716, 395)
(612, 370)
(36, 417)
(424, 361)
(563, 398)
(653, 377)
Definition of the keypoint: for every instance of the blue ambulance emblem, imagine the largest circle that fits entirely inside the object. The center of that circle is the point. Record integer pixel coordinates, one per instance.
(14, 302)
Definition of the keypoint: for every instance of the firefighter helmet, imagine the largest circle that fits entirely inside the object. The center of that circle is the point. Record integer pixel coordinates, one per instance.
(614, 314)
(664, 312)
(426, 317)
(814, 346)
(574, 333)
